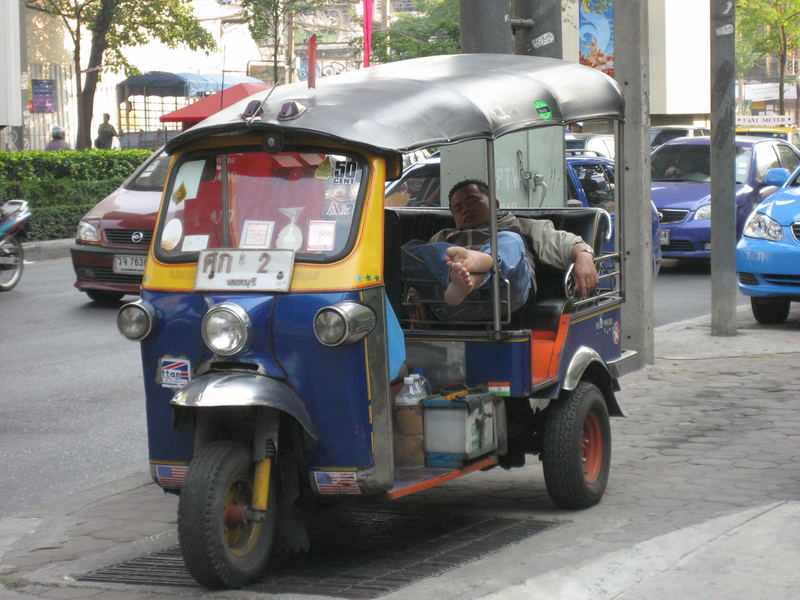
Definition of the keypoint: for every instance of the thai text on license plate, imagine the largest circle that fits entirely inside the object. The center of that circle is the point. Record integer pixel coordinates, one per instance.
(124, 263)
(244, 270)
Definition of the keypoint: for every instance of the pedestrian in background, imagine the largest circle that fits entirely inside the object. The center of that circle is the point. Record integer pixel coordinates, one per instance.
(105, 133)
(58, 142)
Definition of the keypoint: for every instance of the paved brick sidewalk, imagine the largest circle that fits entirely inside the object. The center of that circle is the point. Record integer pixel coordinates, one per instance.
(704, 468)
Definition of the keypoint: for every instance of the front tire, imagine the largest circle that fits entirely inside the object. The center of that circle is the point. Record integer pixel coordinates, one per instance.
(768, 311)
(12, 264)
(576, 448)
(219, 553)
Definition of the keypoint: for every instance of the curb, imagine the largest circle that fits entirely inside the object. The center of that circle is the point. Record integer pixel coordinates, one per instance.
(47, 249)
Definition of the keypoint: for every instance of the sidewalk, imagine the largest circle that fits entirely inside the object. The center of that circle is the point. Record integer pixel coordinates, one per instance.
(47, 250)
(704, 499)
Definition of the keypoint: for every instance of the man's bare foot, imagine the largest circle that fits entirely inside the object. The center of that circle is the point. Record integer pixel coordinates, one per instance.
(467, 271)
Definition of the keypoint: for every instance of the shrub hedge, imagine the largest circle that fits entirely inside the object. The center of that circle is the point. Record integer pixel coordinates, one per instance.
(62, 186)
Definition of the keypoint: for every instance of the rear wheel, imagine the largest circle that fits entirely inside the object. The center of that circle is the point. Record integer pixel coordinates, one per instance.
(102, 297)
(769, 311)
(576, 448)
(221, 546)
(11, 263)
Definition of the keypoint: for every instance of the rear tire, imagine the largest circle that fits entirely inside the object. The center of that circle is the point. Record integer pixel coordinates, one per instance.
(768, 311)
(10, 273)
(576, 448)
(101, 297)
(219, 554)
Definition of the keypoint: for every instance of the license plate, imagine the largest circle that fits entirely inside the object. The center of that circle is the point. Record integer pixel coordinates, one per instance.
(129, 264)
(663, 234)
(244, 270)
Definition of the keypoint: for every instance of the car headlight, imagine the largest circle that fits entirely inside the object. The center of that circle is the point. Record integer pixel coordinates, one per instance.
(135, 320)
(88, 233)
(226, 329)
(344, 322)
(761, 226)
(704, 212)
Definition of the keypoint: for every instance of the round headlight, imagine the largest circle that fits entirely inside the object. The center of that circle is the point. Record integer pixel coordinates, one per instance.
(135, 320)
(344, 322)
(87, 232)
(226, 329)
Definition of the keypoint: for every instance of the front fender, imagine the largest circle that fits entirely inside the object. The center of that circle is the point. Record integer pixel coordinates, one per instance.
(587, 359)
(238, 389)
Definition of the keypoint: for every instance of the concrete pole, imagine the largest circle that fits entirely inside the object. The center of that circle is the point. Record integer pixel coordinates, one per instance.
(723, 152)
(631, 41)
(485, 26)
(537, 28)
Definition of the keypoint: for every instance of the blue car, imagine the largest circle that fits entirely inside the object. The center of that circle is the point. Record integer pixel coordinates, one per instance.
(681, 188)
(768, 254)
(590, 182)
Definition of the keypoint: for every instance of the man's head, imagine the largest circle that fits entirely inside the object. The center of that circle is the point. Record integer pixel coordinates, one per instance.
(57, 133)
(106, 117)
(469, 203)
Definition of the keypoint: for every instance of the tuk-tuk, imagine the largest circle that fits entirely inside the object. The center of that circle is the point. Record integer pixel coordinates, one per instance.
(276, 328)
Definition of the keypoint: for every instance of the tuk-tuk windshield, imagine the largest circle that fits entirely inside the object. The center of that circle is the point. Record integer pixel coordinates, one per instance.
(299, 200)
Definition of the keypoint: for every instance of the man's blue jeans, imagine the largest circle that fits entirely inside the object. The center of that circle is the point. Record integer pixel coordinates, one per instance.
(425, 270)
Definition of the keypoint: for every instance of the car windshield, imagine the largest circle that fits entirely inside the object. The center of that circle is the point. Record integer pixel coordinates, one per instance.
(153, 176)
(304, 201)
(692, 162)
(658, 137)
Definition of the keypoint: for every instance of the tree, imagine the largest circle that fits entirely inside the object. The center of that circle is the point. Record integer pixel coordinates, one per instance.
(433, 29)
(271, 20)
(773, 27)
(113, 25)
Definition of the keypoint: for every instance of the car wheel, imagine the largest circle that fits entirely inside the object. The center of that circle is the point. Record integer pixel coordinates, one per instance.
(576, 448)
(769, 311)
(104, 297)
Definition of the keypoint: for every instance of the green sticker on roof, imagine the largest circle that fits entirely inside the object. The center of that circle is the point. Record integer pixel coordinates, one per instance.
(543, 110)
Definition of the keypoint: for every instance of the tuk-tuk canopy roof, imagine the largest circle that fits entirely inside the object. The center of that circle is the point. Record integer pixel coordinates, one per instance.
(437, 100)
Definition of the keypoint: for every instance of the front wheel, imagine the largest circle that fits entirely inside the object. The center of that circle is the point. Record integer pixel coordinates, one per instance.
(221, 546)
(576, 448)
(11, 263)
(768, 311)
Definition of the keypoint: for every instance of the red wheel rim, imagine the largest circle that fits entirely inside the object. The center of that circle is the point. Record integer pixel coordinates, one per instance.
(591, 447)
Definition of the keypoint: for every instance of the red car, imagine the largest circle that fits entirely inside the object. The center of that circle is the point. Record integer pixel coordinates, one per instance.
(112, 240)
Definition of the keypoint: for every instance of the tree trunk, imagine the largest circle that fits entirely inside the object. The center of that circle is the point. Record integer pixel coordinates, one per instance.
(100, 30)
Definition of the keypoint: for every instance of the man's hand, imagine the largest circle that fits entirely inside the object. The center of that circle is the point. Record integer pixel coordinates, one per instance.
(584, 271)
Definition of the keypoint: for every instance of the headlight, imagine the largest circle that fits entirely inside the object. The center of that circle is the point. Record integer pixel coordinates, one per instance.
(135, 320)
(226, 329)
(344, 322)
(704, 212)
(761, 226)
(88, 233)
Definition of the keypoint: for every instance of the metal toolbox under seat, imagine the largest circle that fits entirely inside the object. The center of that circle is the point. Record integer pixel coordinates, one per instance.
(458, 427)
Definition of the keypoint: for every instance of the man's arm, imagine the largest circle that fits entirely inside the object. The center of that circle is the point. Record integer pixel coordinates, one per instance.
(584, 271)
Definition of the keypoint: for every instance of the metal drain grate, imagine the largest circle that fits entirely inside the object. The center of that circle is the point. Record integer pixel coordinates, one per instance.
(355, 553)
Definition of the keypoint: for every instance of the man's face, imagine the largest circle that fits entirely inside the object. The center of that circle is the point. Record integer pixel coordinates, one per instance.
(470, 207)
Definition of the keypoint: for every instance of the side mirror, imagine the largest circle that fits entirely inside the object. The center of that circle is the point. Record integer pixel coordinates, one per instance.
(776, 177)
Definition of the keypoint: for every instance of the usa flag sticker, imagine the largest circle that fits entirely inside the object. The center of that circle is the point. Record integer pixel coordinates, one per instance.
(171, 476)
(175, 372)
(336, 482)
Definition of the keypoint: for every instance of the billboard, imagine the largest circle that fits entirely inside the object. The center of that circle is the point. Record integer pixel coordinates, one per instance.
(596, 34)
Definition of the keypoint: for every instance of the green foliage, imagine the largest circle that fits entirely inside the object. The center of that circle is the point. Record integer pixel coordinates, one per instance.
(56, 222)
(771, 27)
(434, 30)
(269, 21)
(62, 186)
(89, 165)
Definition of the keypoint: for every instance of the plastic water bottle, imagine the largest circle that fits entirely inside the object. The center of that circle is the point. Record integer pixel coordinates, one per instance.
(412, 392)
(426, 385)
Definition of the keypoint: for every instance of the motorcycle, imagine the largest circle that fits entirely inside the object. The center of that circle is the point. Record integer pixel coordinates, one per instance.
(15, 225)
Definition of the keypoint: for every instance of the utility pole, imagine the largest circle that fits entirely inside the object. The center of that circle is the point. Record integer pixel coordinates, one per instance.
(723, 204)
(537, 28)
(485, 26)
(632, 41)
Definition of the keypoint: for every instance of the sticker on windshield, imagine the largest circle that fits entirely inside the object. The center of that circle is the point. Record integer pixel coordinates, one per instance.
(257, 234)
(321, 236)
(543, 110)
(194, 243)
(325, 169)
(171, 236)
(346, 173)
(175, 372)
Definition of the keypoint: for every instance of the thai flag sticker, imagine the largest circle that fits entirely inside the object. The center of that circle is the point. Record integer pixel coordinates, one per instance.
(332, 482)
(175, 373)
(171, 476)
